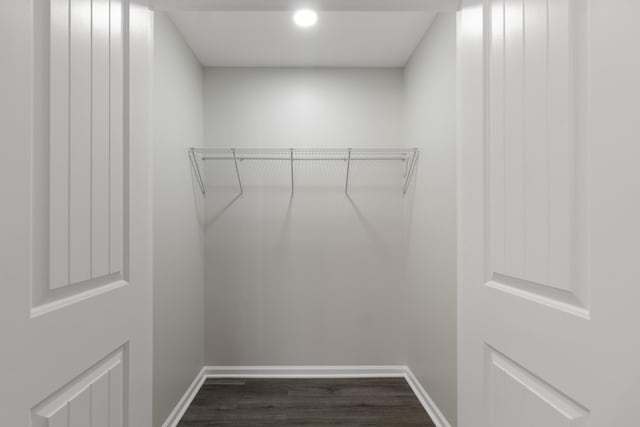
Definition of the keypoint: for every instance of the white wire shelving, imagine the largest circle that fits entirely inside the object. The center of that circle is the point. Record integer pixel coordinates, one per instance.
(198, 156)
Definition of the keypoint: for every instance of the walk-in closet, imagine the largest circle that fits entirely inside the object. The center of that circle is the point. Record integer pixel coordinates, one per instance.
(304, 201)
(319, 213)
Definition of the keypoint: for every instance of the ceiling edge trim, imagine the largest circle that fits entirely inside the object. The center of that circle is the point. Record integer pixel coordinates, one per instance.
(322, 5)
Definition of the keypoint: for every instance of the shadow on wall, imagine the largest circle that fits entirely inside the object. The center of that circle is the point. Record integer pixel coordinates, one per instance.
(311, 279)
(376, 238)
(216, 213)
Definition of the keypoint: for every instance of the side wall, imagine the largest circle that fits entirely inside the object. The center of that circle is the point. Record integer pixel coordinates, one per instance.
(178, 246)
(315, 279)
(431, 261)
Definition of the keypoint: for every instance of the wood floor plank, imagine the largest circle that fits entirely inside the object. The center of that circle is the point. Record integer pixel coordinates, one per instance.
(305, 402)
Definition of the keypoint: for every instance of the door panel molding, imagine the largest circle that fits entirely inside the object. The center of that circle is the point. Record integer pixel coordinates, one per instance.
(517, 397)
(80, 150)
(551, 297)
(536, 151)
(95, 398)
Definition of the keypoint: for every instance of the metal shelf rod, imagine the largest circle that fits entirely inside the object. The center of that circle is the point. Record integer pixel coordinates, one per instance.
(344, 159)
(305, 150)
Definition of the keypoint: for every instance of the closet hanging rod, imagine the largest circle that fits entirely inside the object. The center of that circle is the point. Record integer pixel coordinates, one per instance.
(407, 155)
(287, 159)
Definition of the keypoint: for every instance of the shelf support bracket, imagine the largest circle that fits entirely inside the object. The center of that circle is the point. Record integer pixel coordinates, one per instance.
(346, 183)
(292, 186)
(235, 162)
(412, 167)
(406, 160)
(196, 169)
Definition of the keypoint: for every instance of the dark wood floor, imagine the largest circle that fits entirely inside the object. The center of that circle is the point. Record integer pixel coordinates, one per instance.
(305, 402)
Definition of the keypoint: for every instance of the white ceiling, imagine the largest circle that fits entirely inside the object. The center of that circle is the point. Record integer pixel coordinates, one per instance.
(342, 38)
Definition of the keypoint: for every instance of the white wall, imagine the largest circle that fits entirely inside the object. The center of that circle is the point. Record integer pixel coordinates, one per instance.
(178, 246)
(431, 261)
(316, 279)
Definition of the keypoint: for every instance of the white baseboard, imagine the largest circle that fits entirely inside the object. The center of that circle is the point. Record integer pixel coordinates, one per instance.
(306, 372)
(427, 403)
(183, 404)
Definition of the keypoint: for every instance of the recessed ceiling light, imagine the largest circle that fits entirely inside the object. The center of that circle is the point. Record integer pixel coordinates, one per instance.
(305, 18)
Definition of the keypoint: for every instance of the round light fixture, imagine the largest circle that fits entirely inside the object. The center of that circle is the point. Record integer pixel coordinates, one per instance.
(305, 18)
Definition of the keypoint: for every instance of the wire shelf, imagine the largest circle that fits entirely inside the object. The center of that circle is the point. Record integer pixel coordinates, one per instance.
(198, 156)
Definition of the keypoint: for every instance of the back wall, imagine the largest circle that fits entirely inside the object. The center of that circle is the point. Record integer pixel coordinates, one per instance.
(316, 279)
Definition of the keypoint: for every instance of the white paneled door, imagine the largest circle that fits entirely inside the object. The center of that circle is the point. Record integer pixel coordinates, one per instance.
(75, 247)
(549, 209)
